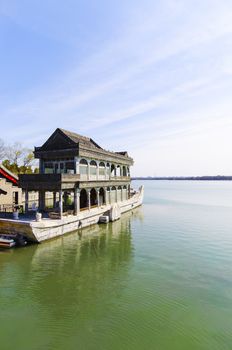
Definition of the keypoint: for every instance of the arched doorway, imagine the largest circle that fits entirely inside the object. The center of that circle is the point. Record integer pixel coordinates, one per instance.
(101, 196)
(119, 194)
(83, 199)
(93, 197)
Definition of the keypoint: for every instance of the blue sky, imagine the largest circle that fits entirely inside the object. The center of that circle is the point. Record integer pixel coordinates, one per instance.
(150, 77)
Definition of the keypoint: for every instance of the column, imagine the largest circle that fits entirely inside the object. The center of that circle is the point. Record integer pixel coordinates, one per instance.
(41, 166)
(54, 199)
(77, 169)
(97, 169)
(61, 203)
(116, 195)
(110, 195)
(26, 201)
(76, 201)
(88, 171)
(88, 199)
(98, 197)
(41, 199)
(106, 196)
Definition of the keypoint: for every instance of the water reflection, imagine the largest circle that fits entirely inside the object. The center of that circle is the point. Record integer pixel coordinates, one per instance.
(67, 280)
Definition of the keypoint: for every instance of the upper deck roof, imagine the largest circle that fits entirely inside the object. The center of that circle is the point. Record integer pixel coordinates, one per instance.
(64, 142)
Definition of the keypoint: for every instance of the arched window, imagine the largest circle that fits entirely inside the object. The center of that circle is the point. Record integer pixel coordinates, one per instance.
(112, 170)
(102, 169)
(113, 195)
(124, 171)
(93, 163)
(119, 194)
(93, 168)
(83, 166)
(118, 170)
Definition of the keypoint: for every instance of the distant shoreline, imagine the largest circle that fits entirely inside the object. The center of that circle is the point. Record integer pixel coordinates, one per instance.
(187, 178)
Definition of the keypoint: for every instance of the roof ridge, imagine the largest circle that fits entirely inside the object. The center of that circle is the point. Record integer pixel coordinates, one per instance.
(67, 132)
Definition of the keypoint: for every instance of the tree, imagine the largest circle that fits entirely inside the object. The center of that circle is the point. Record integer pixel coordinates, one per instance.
(19, 160)
(28, 158)
(14, 153)
(2, 149)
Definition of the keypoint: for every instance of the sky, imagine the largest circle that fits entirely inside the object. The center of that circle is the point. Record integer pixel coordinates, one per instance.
(150, 77)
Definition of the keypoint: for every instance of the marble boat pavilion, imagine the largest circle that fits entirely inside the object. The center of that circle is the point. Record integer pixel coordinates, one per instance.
(76, 167)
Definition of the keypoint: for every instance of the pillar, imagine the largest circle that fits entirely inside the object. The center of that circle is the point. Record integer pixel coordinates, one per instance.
(26, 201)
(61, 203)
(77, 168)
(116, 195)
(88, 171)
(106, 196)
(98, 197)
(97, 170)
(110, 196)
(76, 201)
(88, 199)
(54, 199)
(41, 199)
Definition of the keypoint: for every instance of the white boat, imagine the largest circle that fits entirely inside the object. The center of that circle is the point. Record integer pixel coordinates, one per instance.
(6, 242)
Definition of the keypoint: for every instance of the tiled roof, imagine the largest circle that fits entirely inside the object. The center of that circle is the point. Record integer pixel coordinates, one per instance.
(80, 139)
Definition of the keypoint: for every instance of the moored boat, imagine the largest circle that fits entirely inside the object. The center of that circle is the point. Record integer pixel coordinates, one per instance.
(6, 242)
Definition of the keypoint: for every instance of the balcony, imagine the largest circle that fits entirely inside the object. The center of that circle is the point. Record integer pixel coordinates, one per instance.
(49, 182)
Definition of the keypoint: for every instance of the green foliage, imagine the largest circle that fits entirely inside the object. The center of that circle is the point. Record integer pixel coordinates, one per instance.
(16, 169)
(19, 160)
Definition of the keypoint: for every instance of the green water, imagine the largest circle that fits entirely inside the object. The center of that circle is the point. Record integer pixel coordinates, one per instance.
(160, 278)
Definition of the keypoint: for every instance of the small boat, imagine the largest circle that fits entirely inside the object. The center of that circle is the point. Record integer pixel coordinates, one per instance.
(10, 241)
(6, 242)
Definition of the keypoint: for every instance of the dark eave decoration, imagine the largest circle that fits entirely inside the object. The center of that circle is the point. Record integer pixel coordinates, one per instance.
(3, 192)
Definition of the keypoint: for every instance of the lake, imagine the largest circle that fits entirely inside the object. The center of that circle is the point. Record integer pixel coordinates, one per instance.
(160, 278)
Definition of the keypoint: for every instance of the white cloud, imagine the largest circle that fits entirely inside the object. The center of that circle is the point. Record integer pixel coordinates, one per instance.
(164, 76)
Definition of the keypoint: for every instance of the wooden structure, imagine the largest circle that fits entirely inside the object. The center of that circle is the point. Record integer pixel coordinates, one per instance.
(79, 172)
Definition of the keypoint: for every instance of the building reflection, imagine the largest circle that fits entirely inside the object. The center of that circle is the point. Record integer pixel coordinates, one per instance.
(71, 274)
(65, 282)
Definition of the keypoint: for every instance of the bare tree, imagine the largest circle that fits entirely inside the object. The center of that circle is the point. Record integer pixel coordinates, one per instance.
(2, 149)
(14, 153)
(28, 158)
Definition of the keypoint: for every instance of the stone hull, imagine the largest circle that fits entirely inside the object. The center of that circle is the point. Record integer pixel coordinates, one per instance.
(47, 228)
